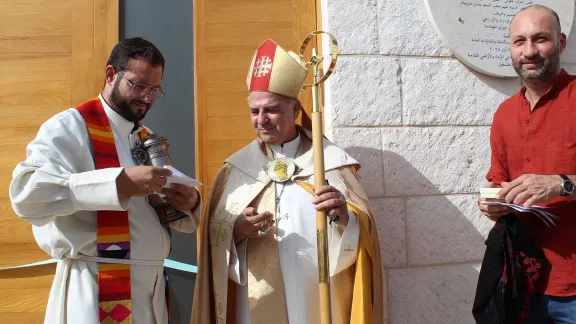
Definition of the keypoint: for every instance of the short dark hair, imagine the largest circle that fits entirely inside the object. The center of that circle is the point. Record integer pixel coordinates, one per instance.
(131, 48)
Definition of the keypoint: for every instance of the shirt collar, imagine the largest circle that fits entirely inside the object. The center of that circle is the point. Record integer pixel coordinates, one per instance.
(287, 149)
(117, 122)
(559, 83)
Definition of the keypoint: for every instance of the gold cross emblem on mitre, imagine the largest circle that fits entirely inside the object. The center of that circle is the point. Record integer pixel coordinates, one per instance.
(281, 170)
(262, 67)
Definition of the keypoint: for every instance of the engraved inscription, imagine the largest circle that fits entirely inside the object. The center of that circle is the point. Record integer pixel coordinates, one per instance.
(499, 15)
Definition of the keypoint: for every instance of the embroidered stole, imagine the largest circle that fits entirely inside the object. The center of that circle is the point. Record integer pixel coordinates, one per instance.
(113, 231)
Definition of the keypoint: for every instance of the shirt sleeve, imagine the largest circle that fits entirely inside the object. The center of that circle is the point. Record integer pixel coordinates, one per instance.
(344, 246)
(498, 171)
(49, 185)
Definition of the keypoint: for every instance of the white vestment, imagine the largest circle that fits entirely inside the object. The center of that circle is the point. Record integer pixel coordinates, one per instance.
(58, 191)
(298, 252)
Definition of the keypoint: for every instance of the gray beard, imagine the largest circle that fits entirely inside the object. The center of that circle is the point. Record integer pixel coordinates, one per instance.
(546, 72)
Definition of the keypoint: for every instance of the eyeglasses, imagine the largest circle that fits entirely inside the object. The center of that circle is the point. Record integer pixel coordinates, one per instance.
(142, 90)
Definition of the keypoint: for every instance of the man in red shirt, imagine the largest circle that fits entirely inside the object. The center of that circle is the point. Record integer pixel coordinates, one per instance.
(533, 141)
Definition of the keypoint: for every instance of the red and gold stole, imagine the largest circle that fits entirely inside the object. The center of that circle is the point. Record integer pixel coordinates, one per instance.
(113, 231)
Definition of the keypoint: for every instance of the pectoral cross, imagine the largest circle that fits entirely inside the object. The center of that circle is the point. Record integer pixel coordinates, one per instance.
(279, 216)
(285, 216)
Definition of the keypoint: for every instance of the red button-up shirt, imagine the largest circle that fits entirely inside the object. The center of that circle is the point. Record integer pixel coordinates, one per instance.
(542, 141)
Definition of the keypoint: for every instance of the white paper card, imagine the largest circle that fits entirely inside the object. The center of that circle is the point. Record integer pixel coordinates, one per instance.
(546, 217)
(180, 178)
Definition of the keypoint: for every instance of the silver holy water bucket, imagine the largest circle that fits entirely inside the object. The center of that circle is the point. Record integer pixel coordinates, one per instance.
(157, 148)
(153, 150)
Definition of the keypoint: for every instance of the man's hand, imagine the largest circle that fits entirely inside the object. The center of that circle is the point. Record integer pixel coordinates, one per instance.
(333, 201)
(493, 212)
(531, 189)
(141, 181)
(250, 224)
(182, 197)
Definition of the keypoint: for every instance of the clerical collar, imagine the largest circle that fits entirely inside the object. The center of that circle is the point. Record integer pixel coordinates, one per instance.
(287, 149)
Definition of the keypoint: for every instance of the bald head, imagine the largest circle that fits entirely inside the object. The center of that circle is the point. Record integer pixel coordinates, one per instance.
(540, 10)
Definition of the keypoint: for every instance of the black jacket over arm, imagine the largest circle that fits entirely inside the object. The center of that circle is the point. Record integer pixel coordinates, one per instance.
(513, 269)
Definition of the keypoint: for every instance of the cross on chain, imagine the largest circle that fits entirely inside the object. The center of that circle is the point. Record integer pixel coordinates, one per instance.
(278, 215)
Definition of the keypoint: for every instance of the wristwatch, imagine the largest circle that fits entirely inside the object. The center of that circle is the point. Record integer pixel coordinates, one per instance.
(566, 185)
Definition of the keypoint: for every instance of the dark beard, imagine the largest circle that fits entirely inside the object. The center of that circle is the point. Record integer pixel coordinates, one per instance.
(548, 67)
(122, 107)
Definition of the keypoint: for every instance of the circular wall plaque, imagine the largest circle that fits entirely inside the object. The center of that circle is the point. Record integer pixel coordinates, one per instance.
(476, 31)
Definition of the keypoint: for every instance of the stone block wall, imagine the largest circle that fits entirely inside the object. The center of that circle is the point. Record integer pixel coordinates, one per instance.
(418, 120)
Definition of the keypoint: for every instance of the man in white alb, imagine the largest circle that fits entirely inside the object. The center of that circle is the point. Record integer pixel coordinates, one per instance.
(88, 201)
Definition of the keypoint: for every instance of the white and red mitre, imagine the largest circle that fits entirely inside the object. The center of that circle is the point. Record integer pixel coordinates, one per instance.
(275, 70)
